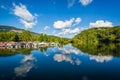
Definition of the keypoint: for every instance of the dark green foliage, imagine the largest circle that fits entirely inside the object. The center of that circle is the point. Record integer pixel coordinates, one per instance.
(10, 52)
(104, 41)
(98, 35)
(27, 36)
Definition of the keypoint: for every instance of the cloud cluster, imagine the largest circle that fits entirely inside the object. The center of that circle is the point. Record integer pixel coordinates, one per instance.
(85, 2)
(46, 27)
(65, 26)
(101, 23)
(26, 18)
(78, 20)
(68, 31)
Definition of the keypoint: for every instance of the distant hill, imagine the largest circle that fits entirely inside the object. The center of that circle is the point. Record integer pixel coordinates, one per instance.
(98, 35)
(14, 29)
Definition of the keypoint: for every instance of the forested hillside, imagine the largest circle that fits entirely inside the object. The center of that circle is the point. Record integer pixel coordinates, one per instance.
(9, 33)
(98, 35)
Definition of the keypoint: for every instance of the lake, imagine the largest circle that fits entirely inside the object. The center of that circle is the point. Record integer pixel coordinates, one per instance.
(57, 63)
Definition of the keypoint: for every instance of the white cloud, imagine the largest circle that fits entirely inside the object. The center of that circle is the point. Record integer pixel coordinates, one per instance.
(85, 2)
(46, 27)
(26, 18)
(78, 20)
(63, 24)
(71, 3)
(70, 32)
(101, 23)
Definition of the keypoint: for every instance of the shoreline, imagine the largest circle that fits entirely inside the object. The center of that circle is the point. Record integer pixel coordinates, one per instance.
(10, 45)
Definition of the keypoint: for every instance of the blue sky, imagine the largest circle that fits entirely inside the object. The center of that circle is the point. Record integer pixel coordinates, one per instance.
(59, 17)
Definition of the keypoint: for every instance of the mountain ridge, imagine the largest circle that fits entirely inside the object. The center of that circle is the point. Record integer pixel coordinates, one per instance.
(5, 28)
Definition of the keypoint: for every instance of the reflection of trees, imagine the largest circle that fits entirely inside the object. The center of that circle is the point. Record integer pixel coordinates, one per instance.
(6, 52)
(10, 52)
(42, 49)
(103, 49)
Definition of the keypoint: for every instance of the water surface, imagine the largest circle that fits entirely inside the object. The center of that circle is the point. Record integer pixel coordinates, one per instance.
(57, 63)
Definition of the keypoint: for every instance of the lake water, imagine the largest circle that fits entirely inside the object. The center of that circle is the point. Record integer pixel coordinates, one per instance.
(58, 63)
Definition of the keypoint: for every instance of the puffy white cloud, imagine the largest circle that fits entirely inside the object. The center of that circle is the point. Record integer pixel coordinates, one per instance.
(28, 24)
(70, 32)
(78, 20)
(85, 2)
(26, 18)
(46, 27)
(101, 58)
(101, 23)
(63, 24)
(71, 3)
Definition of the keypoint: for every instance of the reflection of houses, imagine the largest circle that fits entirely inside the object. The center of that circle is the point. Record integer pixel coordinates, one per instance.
(29, 45)
(54, 44)
(15, 45)
(35, 45)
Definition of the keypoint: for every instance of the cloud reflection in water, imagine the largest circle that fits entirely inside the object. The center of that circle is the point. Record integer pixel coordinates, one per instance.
(66, 55)
(26, 65)
(100, 58)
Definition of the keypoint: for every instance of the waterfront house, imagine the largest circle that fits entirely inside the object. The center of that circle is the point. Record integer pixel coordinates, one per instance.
(35, 44)
(43, 44)
(29, 44)
(2, 44)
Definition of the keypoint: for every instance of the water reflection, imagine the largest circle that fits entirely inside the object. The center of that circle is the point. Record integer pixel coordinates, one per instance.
(63, 57)
(27, 63)
(67, 55)
(36, 64)
(69, 49)
(104, 49)
(100, 58)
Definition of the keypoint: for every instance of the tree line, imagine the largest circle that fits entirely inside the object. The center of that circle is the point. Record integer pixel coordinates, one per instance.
(98, 35)
(27, 36)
